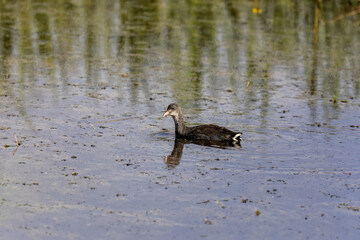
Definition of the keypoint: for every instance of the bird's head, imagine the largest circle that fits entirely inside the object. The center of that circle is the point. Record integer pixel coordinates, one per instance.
(172, 110)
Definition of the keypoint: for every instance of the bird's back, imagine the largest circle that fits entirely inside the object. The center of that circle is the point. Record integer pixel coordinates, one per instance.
(210, 132)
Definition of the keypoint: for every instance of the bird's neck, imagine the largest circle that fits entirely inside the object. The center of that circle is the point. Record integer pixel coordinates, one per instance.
(180, 128)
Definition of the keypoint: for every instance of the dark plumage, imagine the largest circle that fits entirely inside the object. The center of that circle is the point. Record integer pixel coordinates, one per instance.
(208, 132)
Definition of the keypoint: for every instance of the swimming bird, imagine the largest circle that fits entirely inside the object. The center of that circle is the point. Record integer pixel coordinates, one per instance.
(209, 132)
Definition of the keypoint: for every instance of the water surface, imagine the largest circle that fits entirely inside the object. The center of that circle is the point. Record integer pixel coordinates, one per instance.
(83, 86)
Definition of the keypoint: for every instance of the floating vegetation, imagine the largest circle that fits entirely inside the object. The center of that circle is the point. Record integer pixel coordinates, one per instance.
(349, 207)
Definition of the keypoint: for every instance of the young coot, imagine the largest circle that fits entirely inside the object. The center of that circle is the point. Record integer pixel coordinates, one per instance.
(203, 132)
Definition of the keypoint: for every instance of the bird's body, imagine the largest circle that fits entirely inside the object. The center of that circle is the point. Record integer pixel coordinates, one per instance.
(209, 132)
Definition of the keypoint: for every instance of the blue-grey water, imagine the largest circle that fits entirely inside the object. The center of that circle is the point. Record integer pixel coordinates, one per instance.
(85, 153)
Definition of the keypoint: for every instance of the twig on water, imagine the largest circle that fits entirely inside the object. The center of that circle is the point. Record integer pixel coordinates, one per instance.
(16, 149)
(18, 143)
(348, 14)
(115, 120)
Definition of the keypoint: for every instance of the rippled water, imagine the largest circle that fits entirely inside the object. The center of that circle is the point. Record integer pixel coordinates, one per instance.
(85, 152)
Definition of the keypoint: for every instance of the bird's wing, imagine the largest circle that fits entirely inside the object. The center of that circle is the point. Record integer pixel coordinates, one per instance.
(210, 132)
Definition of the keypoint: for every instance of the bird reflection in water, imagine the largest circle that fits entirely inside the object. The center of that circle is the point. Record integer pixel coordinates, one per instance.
(174, 158)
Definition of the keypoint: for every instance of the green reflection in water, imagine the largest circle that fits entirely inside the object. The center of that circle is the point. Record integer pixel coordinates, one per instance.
(195, 48)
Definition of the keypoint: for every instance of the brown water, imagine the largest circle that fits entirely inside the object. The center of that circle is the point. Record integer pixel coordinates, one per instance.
(83, 86)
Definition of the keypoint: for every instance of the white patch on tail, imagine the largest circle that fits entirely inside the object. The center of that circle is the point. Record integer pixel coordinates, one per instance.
(237, 136)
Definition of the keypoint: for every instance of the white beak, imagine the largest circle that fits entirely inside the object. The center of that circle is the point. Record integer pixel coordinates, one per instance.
(167, 113)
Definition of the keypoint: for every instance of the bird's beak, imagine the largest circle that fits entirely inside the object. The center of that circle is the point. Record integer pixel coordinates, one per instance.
(167, 113)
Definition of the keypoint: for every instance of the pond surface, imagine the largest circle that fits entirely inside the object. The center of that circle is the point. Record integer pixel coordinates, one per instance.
(85, 153)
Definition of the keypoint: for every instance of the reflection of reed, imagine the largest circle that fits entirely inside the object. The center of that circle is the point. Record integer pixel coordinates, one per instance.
(314, 65)
(43, 26)
(196, 48)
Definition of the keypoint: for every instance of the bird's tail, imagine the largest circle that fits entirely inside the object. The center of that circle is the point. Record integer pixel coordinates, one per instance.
(237, 137)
